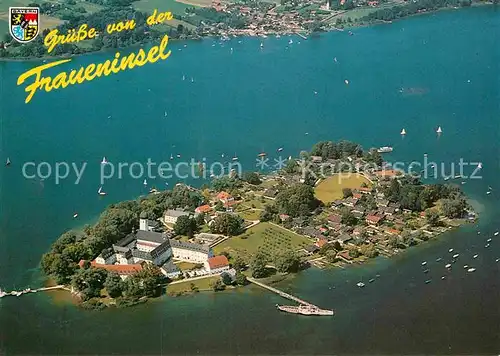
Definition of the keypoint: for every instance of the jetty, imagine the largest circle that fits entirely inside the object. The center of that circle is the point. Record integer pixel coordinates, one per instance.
(280, 293)
(301, 35)
(29, 290)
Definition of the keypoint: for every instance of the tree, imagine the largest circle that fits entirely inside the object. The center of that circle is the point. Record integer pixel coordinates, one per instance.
(331, 255)
(114, 285)
(89, 282)
(268, 213)
(291, 166)
(347, 192)
(185, 225)
(217, 285)
(227, 224)
(226, 279)
(251, 178)
(348, 218)
(296, 200)
(354, 252)
(219, 206)
(287, 261)
(241, 279)
(369, 251)
(238, 264)
(258, 266)
(432, 217)
(454, 208)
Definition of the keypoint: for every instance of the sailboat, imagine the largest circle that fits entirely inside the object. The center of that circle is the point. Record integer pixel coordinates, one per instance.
(100, 192)
(290, 42)
(480, 165)
(104, 160)
(145, 182)
(235, 158)
(171, 156)
(8, 162)
(403, 132)
(165, 114)
(261, 45)
(183, 77)
(439, 130)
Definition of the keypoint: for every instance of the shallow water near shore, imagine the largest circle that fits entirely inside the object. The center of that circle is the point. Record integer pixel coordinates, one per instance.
(244, 103)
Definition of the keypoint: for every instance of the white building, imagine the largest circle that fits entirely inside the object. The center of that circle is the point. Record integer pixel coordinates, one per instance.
(170, 216)
(217, 264)
(190, 252)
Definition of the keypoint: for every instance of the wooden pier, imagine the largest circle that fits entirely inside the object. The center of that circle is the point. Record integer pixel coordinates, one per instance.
(29, 290)
(282, 294)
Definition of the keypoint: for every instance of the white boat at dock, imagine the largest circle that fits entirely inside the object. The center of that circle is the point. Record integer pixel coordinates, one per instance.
(304, 310)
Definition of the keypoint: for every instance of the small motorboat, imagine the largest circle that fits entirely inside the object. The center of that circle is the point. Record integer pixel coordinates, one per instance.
(280, 149)
(489, 240)
(450, 250)
(488, 192)
(455, 255)
(487, 245)
(75, 215)
(466, 266)
(8, 162)
(497, 260)
(371, 280)
(178, 155)
(424, 263)
(262, 154)
(496, 233)
(439, 259)
(443, 277)
(448, 265)
(475, 256)
(426, 270)
(471, 270)
(235, 158)
(428, 281)
(360, 284)
(346, 82)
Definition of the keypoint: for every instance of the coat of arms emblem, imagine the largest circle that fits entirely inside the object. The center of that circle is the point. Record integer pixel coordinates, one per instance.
(24, 23)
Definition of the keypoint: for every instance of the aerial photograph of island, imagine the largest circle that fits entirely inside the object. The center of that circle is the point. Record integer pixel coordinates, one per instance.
(249, 177)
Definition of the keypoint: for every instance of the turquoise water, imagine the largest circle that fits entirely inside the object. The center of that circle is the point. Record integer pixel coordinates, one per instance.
(242, 103)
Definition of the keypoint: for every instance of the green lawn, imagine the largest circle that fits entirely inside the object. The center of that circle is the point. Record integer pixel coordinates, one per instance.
(249, 214)
(161, 5)
(330, 189)
(185, 266)
(265, 237)
(185, 287)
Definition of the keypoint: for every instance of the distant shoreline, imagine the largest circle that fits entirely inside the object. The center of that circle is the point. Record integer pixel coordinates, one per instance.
(352, 26)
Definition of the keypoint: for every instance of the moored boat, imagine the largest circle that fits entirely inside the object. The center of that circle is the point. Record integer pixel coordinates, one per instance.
(304, 310)
(385, 149)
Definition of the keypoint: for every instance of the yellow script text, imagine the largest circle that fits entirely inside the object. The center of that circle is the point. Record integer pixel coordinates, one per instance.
(161, 17)
(91, 71)
(53, 39)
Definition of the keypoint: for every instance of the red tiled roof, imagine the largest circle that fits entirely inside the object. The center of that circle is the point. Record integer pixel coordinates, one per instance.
(335, 218)
(373, 218)
(356, 195)
(365, 190)
(203, 209)
(120, 269)
(223, 195)
(218, 262)
(321, 242)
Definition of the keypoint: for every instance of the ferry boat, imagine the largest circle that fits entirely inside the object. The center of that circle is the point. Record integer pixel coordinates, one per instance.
(304, 310)
(385, 149)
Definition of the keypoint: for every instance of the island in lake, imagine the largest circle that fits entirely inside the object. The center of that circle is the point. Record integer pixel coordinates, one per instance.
(261, 226)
